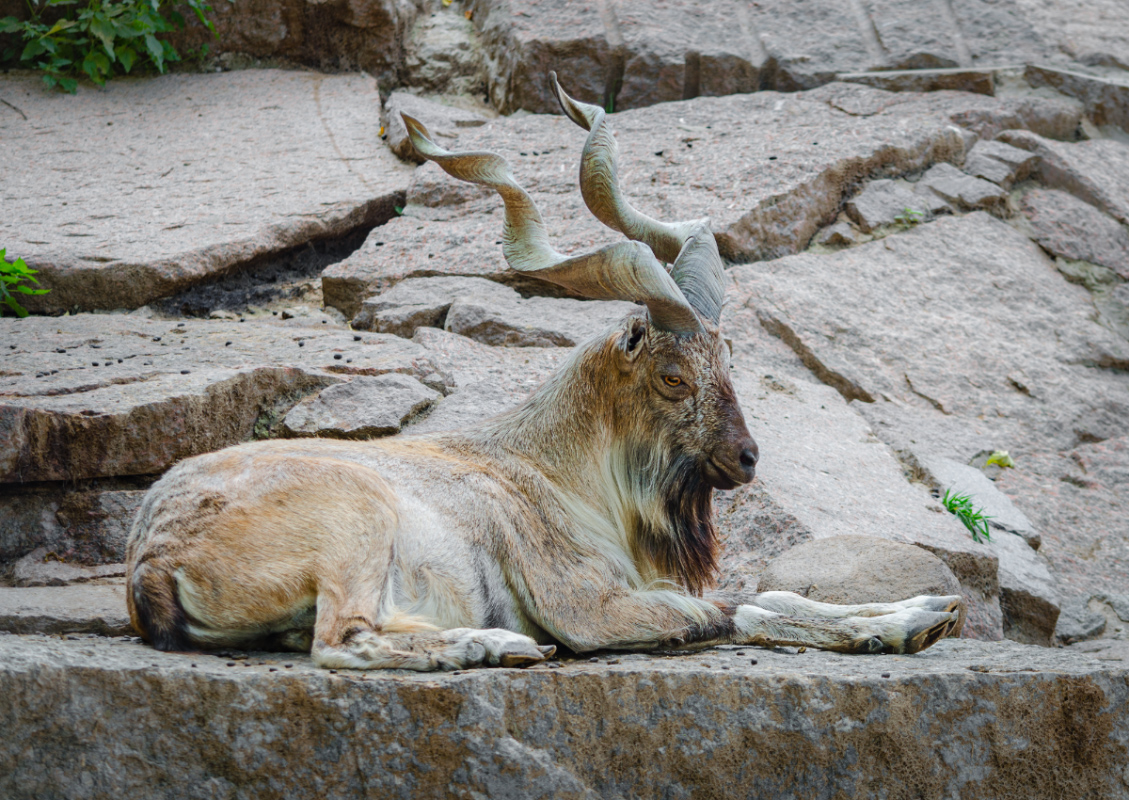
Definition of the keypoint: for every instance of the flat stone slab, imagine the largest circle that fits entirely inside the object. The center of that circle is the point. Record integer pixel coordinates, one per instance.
(961, 190)
(768, 169)
(1096, 171)
(999, 163)
(1106, 98)
(98, 609)
(923, 327)
(133, 192)
(108, 395)
(1068, 227)
(998, 720)
(362, 408)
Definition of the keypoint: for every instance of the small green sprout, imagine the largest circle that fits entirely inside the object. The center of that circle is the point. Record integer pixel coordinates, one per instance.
(11, 276)
(1000, 458)
(909, 217)
(974, 520)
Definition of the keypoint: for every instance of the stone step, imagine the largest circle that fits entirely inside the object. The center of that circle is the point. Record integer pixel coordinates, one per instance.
(95, 717)
(160, 205)
(90, 608)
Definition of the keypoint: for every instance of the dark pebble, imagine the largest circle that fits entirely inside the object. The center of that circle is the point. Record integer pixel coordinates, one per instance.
(156, 338)
(184, 371)
(348, 361)
(753, 661)
(333, 672)
(94, 363)
(772, 158)
(337, 356)
(356, 338)
(231, 663)
(288, 666)
(885, 674)
(227, 344)
(301, 344)
(379, 244)
(273, 669)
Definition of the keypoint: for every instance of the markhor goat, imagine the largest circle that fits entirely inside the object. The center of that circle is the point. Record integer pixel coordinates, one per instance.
(581, 518)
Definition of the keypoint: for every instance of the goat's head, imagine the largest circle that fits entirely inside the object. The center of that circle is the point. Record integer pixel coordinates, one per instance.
(673, 389)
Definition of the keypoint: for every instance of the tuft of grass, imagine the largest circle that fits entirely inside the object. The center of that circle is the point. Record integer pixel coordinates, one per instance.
(975, 520)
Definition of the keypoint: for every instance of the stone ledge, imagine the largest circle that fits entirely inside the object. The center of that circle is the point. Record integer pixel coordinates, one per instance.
(96, 718)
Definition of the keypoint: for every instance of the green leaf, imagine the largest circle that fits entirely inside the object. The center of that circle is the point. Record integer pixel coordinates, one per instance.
(126, 56)
(61, 25)
(68, 85)
(104, 30)
(11, 25)
(156, 52)
(34, 47)
(12, 304)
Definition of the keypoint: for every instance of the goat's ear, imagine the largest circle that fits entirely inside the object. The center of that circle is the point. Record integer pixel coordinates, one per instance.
(633, 338)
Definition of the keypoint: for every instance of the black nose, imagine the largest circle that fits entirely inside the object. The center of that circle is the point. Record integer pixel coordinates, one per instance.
(749, 457)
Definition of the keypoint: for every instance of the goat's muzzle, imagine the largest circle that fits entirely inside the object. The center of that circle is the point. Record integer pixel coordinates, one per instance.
(733, 463)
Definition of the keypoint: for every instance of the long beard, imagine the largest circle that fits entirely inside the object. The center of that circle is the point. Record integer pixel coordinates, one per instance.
(682, 541)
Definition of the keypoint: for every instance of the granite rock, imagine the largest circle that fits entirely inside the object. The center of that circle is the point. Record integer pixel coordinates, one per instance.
(819, 459)
(442, 55)
(999, 163)
(885, 202)
(157, 210)
(926, 327)
(858, 569)
(95, 716)
(1066, 226)
(1106, 99)
(78, 526)
(962, 190)
(35, 569)
(110, 395)
(361, 408)
(1096, 171)
(90, 608)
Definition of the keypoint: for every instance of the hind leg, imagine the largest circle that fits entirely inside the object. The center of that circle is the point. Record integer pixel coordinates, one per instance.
(795, 605)
(362, 630)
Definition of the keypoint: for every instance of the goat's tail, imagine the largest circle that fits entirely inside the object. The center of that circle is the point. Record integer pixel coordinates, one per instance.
(155, 609)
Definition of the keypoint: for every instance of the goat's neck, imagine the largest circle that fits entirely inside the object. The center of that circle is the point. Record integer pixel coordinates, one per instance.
(566, 427)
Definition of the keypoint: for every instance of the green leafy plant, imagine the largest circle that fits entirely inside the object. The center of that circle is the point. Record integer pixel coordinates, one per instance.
(1001, 459)
(104, 38)
(974, 520)
(909, 217)
(12, 275)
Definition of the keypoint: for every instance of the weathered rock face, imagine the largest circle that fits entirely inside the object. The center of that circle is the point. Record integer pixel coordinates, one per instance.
(91, 396)
(92, 717)
(85, 526)
(1096, 171)
(360, 409)
(67, 609)
(1068, 227)
(858, 569)
(824, 474)
(750, 162)
(442, 54)
(487, 312)
(628, 54)
(181, 184)
(340, 34)
(923, 329)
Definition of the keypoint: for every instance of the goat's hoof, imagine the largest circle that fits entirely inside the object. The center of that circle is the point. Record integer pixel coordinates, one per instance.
(498, 647)
(927, 628)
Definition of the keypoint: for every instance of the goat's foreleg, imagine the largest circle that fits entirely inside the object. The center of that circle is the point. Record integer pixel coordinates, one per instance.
(795, 605)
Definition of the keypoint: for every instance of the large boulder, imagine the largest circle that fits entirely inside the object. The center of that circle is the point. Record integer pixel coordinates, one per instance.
(858, 569)
(180, 184)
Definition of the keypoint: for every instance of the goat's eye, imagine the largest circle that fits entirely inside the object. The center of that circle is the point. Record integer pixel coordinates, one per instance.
(671, 380)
